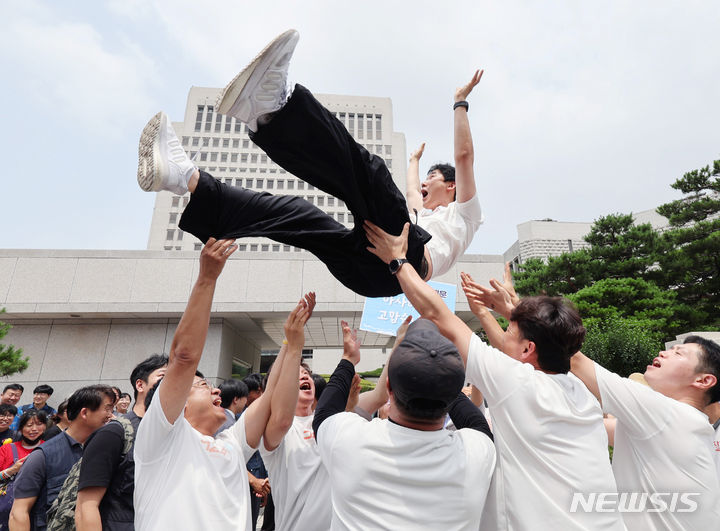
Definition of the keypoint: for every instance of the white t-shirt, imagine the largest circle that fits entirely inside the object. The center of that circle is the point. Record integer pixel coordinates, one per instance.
(300, 484)
(661, 446)
(187, 480)
(550, 441)
(452, 229)
(386, 476)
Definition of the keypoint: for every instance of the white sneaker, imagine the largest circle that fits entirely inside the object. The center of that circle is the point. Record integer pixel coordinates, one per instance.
(260, 88)
(162, 161)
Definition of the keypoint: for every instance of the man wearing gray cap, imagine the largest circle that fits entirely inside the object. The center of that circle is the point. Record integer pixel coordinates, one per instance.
(390, 474)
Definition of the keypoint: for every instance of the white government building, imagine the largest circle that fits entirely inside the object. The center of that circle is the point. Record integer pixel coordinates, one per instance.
(85, 316)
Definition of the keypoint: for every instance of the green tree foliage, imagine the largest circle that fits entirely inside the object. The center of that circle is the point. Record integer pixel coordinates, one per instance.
(11, 358)
(561, 275)
(691, 264)
(641, 300)
(621, 345)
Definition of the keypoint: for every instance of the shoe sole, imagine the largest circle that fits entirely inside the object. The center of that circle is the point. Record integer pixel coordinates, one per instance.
(151, 167)
(244, 80)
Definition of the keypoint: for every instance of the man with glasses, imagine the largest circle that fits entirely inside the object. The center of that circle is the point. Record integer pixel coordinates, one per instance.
(7, 414)
(181, 470)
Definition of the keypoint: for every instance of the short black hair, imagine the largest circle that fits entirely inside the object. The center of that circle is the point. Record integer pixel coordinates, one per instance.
(447, 170)
(231, 389)
(254, 382)
(30, 414)
(90, 397)
(555, 326)
(44, 388)
(62, 408)
(146, 367)
(14, 387)
(422, 409)
(123, 395)
(320, 385)
(9, 408)
(708, 362)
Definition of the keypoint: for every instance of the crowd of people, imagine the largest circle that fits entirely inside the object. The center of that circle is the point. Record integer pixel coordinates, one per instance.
(458, 434)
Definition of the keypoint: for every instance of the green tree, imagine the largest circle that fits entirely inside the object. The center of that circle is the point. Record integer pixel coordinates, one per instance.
(691, 263)
(621, 345)
(561, 275)
(618, 298)
(11, 358)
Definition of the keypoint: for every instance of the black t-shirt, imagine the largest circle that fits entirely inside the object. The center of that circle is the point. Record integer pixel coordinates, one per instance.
(7, 434)
(104, 466)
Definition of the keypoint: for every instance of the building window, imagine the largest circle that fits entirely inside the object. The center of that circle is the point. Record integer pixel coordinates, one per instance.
(168, 247)
(248, 183)
(286, 248)
(213, 157)
(281, 185)
(238, 127)
(253, 158)
(208, 118)
(276, 248)
(203, 157)
(197, 246)
(301, 185)
(236, 143)
(216, 142)
(223, 157)
(226, 142)
(180, 235)
(228, 125)
(378, 127)
(233, 157)
(196, 141)
(173, 218)
(331, 201)
(218, 123)
(242, 247)
(270, 184)
(245, 144)
(263, 158)
(198, 117)
(175, 201)
(253, 246)
(350, 218)
(186, 140)
(310, 199)
(291, 185)
(321, 201)
(351, 123)
(265, 247)
(369, 127)
(243, 157)
(388, 150)
(170, 235)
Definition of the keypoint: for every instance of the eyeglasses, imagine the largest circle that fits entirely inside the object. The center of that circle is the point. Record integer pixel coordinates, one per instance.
(202, 382)
(6, 415)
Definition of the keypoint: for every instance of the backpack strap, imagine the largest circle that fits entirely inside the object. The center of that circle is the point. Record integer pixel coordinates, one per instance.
(129, 433)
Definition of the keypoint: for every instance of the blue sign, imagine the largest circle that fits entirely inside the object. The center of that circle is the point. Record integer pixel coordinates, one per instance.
(384, 315)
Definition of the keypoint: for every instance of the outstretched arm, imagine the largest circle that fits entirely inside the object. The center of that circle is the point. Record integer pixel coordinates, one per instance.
(584, 368)
(501, 298)
(285, 395)
(423, 298)
(495, 333)
(189, 339)
(464, 153)
(414, 196)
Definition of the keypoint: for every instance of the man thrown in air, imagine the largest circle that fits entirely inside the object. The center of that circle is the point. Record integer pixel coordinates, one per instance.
(303, 137)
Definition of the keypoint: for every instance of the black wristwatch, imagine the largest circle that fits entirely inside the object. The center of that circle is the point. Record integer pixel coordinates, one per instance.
(396, 263)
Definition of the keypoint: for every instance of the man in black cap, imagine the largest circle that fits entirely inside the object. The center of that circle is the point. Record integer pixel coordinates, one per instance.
(389, 474)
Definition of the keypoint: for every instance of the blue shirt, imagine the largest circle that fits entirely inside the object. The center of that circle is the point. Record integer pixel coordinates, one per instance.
(47, 409)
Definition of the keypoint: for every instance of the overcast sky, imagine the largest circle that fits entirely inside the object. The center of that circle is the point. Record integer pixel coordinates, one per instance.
(585, 109)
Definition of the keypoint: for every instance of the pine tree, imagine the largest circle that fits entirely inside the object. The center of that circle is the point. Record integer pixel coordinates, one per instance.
(11, 359)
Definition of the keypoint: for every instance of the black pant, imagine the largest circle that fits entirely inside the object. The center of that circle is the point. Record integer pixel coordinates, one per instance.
(310, 143)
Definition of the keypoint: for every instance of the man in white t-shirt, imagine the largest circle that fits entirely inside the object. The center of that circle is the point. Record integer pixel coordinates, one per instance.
(390, 474)
(663, 439)
(184, 477)
(549, 434)
(314, 145)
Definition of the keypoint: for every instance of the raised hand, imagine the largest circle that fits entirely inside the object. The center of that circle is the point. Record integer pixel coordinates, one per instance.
(351, 344)
(400, 334)
(417, 154)
(213, 257)
(497, 299)
(354, 395)
(386, 246)
(461, 93)
(295, 323)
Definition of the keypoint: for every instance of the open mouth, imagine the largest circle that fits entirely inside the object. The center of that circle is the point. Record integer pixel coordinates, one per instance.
(305, 386)
(656, 362)
(217, 402)
(424, 193)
